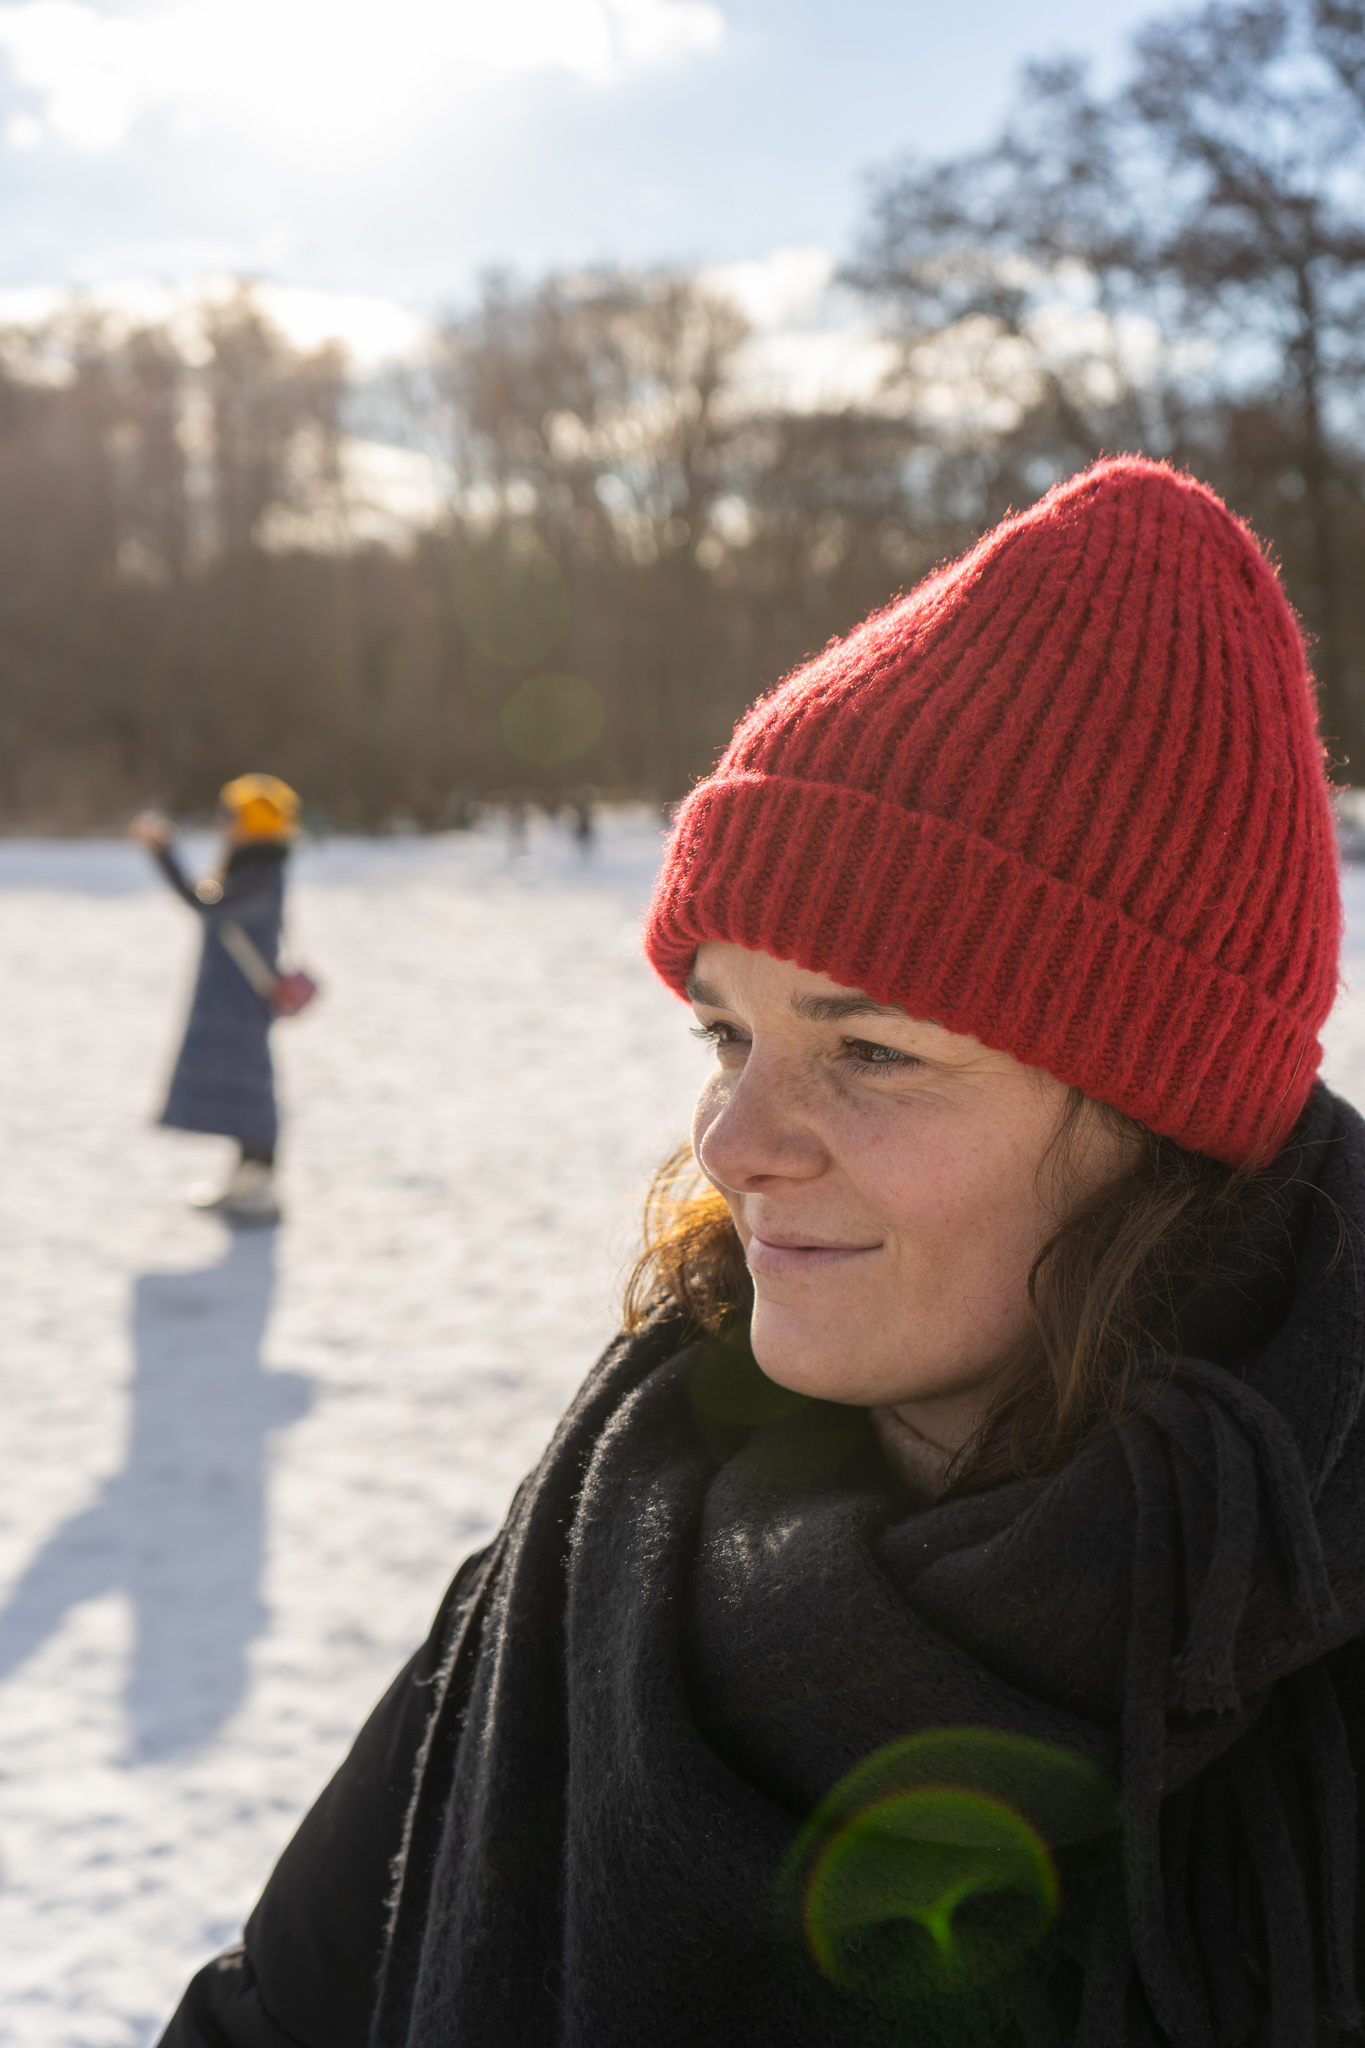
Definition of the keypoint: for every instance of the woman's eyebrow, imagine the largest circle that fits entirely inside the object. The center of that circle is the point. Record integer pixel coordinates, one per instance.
(813, 1009)
(831, 1009)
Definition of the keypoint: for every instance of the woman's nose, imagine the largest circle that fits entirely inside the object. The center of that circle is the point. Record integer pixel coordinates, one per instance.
(756, 1126)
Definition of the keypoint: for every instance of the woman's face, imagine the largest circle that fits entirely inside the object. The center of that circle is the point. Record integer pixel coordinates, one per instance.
(889, 1181)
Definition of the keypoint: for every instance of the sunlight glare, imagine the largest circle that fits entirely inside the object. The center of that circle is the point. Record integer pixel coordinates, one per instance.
(315, 68)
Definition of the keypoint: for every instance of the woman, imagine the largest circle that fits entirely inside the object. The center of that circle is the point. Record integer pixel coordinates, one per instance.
(938, 1619)
(223, 1080)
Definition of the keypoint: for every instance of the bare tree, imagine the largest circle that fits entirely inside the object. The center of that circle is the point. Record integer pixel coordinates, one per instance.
(641, 534)
(1179, 268)
(274, 415)
(594, 404)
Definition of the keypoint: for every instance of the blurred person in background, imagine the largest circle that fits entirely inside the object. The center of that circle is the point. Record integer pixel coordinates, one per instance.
(939, 1618)
(223, 1080)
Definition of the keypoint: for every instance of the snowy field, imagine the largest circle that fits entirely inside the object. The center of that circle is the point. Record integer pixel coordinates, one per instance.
(235, 1474)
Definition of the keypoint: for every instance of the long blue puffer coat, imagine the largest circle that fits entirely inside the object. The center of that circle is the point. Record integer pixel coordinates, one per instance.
(223, 1080)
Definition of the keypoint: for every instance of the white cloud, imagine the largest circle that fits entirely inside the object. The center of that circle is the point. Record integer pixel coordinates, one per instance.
(813, 346)
(788, 288)
(373, 330)
(387, 495)
(317, 69)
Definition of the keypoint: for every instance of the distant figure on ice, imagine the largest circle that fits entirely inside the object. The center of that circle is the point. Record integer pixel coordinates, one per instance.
(583, 820)
(223, 1080)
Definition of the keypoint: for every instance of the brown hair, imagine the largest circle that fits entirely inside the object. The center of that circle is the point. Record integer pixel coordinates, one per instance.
(1108, 1290)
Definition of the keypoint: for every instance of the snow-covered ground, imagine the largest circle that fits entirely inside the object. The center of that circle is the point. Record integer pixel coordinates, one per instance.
(235, 1474)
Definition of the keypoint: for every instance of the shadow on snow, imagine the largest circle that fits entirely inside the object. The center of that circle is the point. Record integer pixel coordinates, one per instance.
(181, 1529)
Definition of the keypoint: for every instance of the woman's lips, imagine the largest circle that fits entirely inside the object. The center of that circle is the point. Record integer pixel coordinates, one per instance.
(794, 1257)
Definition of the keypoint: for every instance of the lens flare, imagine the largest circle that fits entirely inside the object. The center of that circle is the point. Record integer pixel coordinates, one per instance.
(509, 596)
(726, 1386)
(928, 1872)
(794, 1440)
(551, 720)
(918, 1859)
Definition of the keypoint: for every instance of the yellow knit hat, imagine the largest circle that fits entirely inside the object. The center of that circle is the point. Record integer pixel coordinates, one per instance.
(262, 806)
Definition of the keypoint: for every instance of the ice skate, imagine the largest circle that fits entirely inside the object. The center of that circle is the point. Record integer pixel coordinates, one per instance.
(250, 1194)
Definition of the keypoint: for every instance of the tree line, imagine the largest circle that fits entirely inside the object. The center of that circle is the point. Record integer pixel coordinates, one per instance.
(639, 535)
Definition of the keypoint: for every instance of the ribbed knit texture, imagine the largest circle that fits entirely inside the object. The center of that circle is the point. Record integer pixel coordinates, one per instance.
(1068, 797)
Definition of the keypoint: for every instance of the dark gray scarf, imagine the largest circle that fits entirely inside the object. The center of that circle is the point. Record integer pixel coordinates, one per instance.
(732, 1749)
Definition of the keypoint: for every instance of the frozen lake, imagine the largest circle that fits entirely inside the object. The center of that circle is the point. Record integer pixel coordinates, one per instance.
(235, 1475)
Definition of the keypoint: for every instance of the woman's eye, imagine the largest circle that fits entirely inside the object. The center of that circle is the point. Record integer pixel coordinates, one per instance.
(717, 1034)
(868, 1055)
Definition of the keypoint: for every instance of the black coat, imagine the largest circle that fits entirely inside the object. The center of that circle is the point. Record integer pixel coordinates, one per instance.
(223, 1080)
(723, 1745)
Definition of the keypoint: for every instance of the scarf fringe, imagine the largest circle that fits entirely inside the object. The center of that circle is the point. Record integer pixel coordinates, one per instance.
(1204, 1428)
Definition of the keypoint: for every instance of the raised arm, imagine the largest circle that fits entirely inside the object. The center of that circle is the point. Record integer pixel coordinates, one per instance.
(170, 867)
(157, 834)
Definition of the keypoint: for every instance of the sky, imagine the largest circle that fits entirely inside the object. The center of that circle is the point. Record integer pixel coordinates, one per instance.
(380, 154)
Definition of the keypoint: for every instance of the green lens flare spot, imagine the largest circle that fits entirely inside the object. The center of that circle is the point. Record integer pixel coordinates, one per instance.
(509, 596)
(726, 1385)
(918, 1859)
(551, 720)
(928, 1872)
(791, 1441)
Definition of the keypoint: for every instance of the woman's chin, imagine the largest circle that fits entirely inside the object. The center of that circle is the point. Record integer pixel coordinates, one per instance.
(823, 1364)
(832, 1361)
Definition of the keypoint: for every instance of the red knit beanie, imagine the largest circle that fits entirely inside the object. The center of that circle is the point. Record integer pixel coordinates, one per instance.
(1069, 797)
